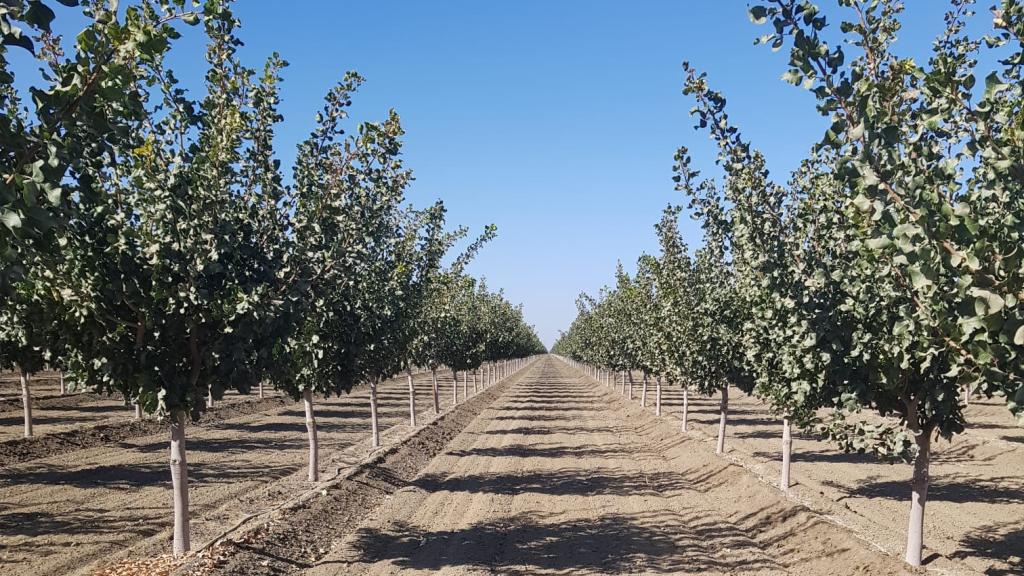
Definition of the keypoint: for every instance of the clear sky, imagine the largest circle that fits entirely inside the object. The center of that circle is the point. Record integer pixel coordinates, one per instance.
(555, 120)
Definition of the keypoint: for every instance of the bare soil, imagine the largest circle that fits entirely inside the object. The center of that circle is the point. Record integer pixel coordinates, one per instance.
(561, 477)
(108, 424)
(975, 510)
(76, 511)
(548, 473)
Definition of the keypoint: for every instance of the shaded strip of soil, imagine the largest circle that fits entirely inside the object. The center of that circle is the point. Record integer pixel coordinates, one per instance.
(13, 404)
(24, 449)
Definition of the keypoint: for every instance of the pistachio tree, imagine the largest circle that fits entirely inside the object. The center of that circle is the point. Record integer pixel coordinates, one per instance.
(928, 166)
(714, 344)
(165, 281)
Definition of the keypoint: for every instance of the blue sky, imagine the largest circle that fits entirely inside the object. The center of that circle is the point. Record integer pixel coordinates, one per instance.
(555, 120)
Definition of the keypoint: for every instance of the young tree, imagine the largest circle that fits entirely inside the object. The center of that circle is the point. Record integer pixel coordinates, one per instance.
(927, 172)
(163, 275)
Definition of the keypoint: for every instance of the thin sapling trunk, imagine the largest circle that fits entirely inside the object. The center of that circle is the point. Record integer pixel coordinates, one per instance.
(630, 389)
(433, 386)
(918, 497)
(314, 446)
(63, 389)
(657, 396)
(412, 397)
(643, 392)
(787, 451)
(26, 402)
(455, 387)
(723, 416)
(686, 405)
(375, 432)
(179, 484)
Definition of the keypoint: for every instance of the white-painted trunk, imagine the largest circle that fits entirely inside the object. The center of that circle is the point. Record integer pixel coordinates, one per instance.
(179, 484)
(686, 406)
(657, 396)
(209, 398)
(465, 385)
(314, 445)
(138, 410)
(63, 388)
(412, 398)
(26, 402)
(455, 387)
(374, 430)
(643, 392)
(261, 388)
(918, 498)
(433, 386)
(787, 451)
(723, 416)
(622, 380)
(630, 389)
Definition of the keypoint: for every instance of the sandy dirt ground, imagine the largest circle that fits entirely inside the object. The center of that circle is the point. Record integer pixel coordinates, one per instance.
(975, 510)
(559, 476)
(70, 513)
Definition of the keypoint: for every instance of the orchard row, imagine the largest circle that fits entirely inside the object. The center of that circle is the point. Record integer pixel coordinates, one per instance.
(151, 246)
(874, 293)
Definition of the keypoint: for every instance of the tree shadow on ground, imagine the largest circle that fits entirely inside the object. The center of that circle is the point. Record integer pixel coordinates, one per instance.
(561, 482)
(140, 475)
(956, 488)
(648, 542)
(548, 451)
(997, 542)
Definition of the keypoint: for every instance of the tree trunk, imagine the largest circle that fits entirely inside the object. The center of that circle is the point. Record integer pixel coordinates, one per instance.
(465, 385)
(63, 389)
(787, 451)
(455, 387)
(724, 414)
(26, 402)
(686, 405)
(314, 446)
(261, 388)
(622, 380)
(657, 396)
(412, 397)
(433, 386)
(475, 373)
(630, 389)
(209, 398)
(373, 414)
(918, 498)
(179, 484)
(643, 393)
(138, 410)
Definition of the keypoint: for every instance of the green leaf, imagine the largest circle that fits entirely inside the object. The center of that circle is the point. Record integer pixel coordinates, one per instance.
(11, 219)
(758, 14)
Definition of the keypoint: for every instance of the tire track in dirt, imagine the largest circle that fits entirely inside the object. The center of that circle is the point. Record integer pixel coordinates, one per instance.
(556, 479)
